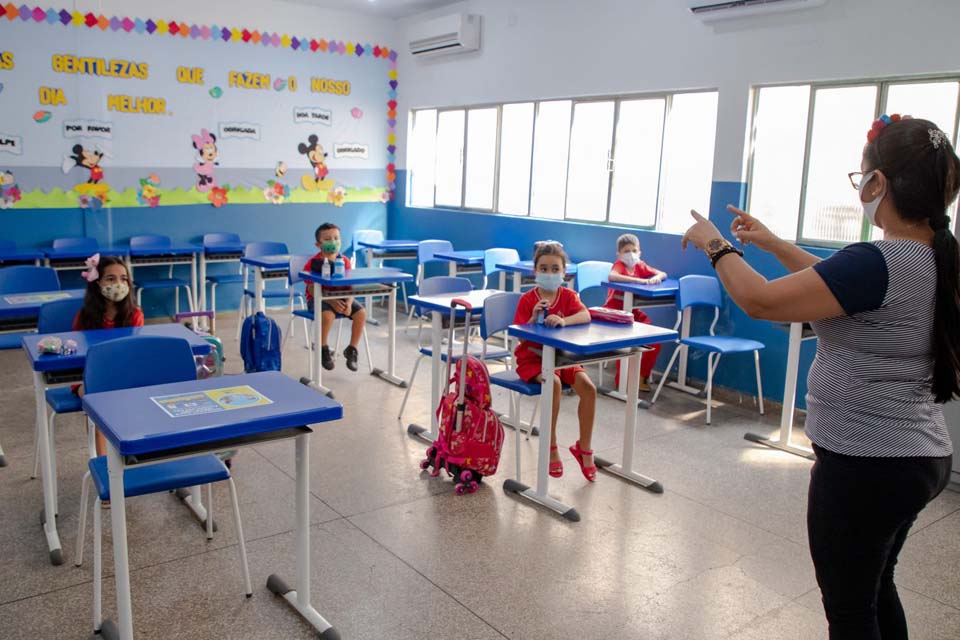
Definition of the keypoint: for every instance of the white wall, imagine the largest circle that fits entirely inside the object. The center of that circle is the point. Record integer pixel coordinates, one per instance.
(561, 48)
(273, 15)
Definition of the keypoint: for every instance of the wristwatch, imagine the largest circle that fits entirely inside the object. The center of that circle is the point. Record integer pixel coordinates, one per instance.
(719, 247)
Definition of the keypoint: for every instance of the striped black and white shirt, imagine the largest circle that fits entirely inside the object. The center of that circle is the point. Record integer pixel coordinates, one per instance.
(869, 389)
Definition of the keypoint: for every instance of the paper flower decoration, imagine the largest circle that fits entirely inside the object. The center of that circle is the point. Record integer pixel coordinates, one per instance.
(9, 196)
(385, 196)
(90, 202)
(336, 196)
(148, 195)
(217, 196)
(276, 192)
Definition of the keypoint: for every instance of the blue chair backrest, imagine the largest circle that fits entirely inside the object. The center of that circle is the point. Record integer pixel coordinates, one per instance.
(699, 291)
(439, 285)
(88, 244)
(57, 316)
(591, 273)
(498, 313)
(426, 249)
(151, 241)
(493, 257)
(7, 245)
(255, 249)
(27, 278)
(138, 361)
(297, 264)
(213, 238)
(364, 235)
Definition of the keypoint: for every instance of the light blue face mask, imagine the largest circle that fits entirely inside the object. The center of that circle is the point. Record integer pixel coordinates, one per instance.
(550, 281)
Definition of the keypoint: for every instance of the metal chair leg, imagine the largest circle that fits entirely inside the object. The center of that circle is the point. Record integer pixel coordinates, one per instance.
(413, 377)
(209, 522)
(366, 345)
(242, 545)
(97, 565)
(756, 360)
(85, 485)
(666, 374)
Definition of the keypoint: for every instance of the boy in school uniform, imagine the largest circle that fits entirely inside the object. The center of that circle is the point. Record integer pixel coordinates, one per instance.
(630, 268)
(327, 238)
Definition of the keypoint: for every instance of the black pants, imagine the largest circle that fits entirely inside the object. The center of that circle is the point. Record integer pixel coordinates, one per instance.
(858, 515)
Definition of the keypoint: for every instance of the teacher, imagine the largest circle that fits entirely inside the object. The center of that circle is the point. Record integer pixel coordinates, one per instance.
(887, 315)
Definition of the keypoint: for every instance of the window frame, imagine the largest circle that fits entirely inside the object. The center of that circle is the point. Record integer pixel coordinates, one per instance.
(882, 85)
(617, 99)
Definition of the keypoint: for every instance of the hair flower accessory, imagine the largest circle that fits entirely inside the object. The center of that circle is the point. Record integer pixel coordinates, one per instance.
(937, 137)
(91, 274)
(881, 123)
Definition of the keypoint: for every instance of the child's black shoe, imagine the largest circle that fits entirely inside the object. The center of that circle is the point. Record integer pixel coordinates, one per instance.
(350, 353)
(326, 358)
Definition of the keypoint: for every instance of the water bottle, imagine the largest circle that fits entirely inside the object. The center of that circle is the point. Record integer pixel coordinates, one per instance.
(325, 269)
(540, 315)
(339, 268)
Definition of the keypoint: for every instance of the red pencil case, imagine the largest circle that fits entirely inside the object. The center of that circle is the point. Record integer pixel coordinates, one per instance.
(611, 315)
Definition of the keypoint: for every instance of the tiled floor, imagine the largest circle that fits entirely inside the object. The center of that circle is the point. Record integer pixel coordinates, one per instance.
(721, 554)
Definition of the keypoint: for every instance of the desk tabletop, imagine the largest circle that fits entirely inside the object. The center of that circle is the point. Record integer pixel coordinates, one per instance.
(87, 339)
(271, 262)
(593, 337)
(281, 403)
(73, 253)
(391, 245)
(357, 277)
(22, 305)
(181, 249)
(525, 267)
(666, 289)
(442, 302)
(20, 255)
(223, 247)
(460, 257)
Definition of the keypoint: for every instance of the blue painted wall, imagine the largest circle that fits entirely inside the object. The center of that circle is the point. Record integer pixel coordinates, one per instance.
(598, 242)
(293, 224)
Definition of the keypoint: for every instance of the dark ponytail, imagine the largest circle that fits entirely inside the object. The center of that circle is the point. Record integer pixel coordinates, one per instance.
(923, 174)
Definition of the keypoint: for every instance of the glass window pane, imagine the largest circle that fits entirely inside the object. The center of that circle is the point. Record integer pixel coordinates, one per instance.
(841, 118)
(588, 178)
(687, 170)
(934, 101)
(780, 137)
(636, 176)
(516, 147)
(550, 149)
(421, 156)
(450, 158)
(481, 157)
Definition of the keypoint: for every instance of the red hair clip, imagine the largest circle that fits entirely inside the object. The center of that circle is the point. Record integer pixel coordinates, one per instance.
(881, 123)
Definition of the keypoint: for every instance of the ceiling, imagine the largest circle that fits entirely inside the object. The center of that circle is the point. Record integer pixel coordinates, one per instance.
(383, 8)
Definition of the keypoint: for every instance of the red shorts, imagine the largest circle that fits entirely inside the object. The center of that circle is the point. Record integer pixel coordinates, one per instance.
(527, 370)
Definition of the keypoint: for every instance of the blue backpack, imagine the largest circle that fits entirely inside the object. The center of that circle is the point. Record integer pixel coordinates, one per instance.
(260, 344)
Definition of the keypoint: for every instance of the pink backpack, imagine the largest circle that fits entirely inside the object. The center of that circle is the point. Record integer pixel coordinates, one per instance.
(471, 436)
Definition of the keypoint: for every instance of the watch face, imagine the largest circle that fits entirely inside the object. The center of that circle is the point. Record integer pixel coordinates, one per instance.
(716, 244)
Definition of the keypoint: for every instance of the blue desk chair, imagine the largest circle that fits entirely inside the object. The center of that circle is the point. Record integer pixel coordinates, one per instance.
(159, 243)
(222, 278)
(437, 286)
(426, 249)
(590, 274)
(24, 279)
(493, 257)
(171, 360)
(363, 235)
(56, 317)
(704, 291)
(248, 296)
(80, 244)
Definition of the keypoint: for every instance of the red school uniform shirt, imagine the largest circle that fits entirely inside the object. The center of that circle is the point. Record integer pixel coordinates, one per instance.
(566, 304)
(136, 320)
(319, 258)
(640, 270)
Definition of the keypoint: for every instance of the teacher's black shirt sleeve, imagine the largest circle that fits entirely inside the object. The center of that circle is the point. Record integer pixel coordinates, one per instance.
(857, 276)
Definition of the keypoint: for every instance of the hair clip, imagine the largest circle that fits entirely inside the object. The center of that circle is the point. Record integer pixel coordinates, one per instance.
(881, 123)
(91, 274)
(547, 243)
(937, 137)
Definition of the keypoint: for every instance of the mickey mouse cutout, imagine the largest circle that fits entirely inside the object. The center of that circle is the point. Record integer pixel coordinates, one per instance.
(318, 159)
(206, 147)
(88, 159)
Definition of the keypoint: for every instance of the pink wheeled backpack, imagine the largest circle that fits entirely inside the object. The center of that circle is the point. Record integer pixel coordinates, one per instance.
(471, 436)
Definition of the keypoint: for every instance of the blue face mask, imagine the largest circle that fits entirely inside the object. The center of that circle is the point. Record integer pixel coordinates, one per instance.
(550, 281)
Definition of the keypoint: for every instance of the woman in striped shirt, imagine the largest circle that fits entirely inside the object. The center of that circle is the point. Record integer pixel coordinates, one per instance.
(886, 314)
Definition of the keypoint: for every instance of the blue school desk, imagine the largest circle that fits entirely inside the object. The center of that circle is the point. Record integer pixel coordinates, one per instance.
(54, 370)
(154, 436)
(168, 256)
(66, 258)
(461, 261)
(214, 252)
(439, 307)
(389, 250)
(267, 268)
(10, 255)
(799, 332)
(640, 296)
(27, 305)
(524, 269)
(580, 344)
(367, 282)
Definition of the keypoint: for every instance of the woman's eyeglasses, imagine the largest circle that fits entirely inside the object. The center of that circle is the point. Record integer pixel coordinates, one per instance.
(856, 179)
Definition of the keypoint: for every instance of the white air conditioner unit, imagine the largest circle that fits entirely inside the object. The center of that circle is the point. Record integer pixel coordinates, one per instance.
(714, 10)
(456, 33)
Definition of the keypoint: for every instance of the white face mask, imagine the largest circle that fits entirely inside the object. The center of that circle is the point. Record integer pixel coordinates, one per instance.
(115, 292)
(870, 208)
(631, 258)
(549, 281)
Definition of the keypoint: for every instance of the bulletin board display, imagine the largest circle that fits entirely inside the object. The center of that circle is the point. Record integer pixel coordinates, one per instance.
(121, 111)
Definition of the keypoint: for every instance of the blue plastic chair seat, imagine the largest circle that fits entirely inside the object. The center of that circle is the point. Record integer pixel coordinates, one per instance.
(163, 283)
(494, 354)
(722, 344)
(303, 313)
(269, 294)
(12, 340)
(225, 279)
(511, 381)
(63, 400)
(165, 476)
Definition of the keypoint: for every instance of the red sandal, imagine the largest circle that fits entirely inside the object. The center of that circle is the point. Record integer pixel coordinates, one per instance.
(590, 473)
(556, 466)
